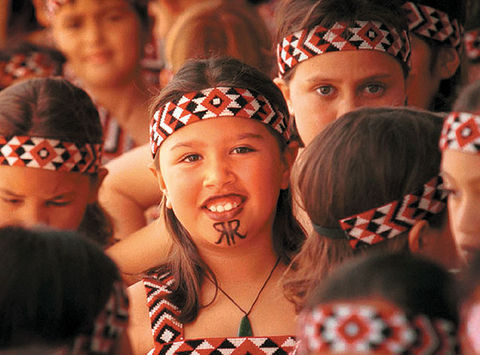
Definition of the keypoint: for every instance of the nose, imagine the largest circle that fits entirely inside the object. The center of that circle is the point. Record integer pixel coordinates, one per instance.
(218, 172)
(33, 214)
(346, 104)
(93, 32)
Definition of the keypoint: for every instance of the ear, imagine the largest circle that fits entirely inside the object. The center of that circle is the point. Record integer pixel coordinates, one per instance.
(95, 185)
(447, 63)
(285, 89)
(289, 156)
(161, 183)
(417, 236)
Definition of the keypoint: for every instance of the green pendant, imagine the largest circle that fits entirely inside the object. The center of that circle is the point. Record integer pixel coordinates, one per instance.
(245, 329)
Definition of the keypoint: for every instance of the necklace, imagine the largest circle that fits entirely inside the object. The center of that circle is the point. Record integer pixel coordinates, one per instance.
(245, 328)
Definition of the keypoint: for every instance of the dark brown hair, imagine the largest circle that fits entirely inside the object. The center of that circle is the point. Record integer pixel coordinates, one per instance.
(295, 15)
(55, 108)
(185, 262)
(363, 160)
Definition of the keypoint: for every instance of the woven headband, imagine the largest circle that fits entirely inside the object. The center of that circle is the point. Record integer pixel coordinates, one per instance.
(388, 221)
(461, 131)
(27, 65)
(472, 44)
(432, 23)
(109, 324)
(50, 154)
(350, 328)
(214, 103)
(53, 5)
(361, 35)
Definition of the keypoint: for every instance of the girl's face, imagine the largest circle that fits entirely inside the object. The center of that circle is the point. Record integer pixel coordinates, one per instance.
(328, 85)
(222, 177)
(462, 180)
(31, 196)
(102, 40)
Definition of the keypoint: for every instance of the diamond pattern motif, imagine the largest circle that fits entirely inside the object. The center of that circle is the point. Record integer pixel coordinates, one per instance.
(472, 44)
(352, 328)
(213, 103)
(388, 221)
(433, 23)
(50, 154)
(368, 35)
(168, 331)
(461, 131)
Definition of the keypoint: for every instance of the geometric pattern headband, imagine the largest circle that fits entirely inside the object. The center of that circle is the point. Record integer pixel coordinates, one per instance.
(361, 35)
(214, 103)
(25, 66)
(351, 328)
(461, 131)
(388, 221)
(50, 154)
(434, 24)
(472, 44)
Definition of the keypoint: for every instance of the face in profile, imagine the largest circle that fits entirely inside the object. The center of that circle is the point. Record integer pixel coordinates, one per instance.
(326, 86)
(102, 40)
(31, 196)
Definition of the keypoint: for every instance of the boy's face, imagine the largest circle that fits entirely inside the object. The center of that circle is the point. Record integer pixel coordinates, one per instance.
(328, 85)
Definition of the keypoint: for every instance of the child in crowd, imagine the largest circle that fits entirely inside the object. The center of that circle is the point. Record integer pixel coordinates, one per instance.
(460, 145)
(25, 60)
(50, 155)
(382, 304)
(471, 43)
(104, 44)
(60, 295)
(222, 158)
(337, 55)
(436, 29)
(366, 187)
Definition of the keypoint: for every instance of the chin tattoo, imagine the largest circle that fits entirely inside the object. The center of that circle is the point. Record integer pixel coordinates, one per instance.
(228, 232)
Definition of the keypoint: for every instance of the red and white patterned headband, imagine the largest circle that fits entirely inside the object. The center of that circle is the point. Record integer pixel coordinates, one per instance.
(361, 35)
(109, 324)
(434, 24)
(351, 327)
(472, 44)
(214, 103)
(461, 131)
(50, 154)
(388, 221)
(27, 65)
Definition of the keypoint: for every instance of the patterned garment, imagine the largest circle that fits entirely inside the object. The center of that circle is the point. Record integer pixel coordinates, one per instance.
(168, 331)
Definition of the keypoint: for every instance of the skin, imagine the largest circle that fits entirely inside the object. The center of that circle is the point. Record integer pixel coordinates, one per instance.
(31, 196)
(326, 86)
(101, 40)
(462, 181)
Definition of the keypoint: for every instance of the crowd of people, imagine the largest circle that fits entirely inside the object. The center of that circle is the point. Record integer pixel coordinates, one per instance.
(240, 177)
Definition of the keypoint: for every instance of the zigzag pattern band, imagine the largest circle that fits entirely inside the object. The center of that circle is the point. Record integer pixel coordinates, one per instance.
(361, 35)
(214, 103)
(461, 131)
(50, 154)
(433, 23)
(351, 328)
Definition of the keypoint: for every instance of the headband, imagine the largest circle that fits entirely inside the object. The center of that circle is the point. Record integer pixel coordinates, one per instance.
(50, 154)
(361, 35)
(109, 324)
(461, 131)
(472, 44)
(53, 5)
(26, 65)
(388, 221)
(214, 103)
(432, 23)
(349, 328)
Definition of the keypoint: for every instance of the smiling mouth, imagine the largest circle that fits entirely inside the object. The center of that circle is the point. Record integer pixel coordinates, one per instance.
(224, 207)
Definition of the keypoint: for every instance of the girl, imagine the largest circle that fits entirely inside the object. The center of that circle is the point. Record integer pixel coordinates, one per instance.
(364, 189)
(460, 162)
(222, 157)
(334, 56)
(103, 42)
(382, 304)
(44, 311)
(50, 155)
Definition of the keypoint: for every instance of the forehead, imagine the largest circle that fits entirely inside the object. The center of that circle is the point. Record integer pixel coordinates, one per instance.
(461, 166)
(40, 182)
(349, 66)
(74, 6)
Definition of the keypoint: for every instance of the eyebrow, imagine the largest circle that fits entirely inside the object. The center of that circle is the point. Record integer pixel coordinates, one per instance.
(317, 78)
(192, 143)
(8, 192)
(56, 197)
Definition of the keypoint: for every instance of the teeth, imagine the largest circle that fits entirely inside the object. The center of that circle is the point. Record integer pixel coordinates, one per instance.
(222, 208)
